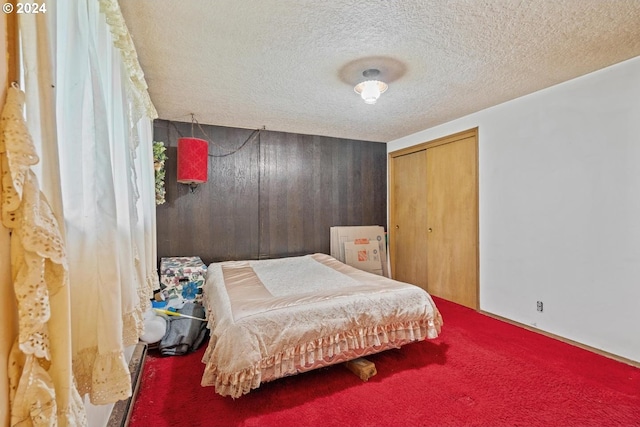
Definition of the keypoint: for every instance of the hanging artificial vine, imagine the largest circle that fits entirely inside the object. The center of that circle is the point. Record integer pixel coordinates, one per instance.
(159, 157)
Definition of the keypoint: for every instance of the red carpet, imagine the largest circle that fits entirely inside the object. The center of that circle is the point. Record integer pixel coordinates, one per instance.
(479, 372)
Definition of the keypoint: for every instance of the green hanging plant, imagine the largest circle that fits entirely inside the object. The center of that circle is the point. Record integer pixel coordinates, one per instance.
(159, 156)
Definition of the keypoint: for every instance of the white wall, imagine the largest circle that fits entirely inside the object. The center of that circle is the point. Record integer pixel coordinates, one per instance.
(559, 174)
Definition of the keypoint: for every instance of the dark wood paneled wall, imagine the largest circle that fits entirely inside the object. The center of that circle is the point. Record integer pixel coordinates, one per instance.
(277, 196)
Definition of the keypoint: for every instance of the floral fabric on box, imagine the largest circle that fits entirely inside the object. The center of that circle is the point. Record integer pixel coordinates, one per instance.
(182, 276)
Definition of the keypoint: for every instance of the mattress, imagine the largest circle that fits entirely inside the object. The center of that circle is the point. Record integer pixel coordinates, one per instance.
(278, 317)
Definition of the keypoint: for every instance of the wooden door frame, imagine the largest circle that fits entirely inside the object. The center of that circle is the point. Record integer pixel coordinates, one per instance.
(469, 133)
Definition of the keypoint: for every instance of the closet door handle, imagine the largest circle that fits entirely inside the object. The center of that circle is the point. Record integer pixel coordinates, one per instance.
(429, 229)
(397, 227)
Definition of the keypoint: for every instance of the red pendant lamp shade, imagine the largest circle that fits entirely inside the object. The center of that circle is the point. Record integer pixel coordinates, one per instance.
(193, 156)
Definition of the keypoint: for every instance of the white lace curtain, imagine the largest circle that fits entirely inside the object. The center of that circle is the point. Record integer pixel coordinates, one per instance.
(90, 118)
(100, 124)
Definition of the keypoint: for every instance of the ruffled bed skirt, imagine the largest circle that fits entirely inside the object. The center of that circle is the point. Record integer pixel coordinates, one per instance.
(318, 353)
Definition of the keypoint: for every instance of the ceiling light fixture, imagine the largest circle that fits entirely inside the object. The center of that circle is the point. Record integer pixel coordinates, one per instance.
(371, 88)
(193, 159)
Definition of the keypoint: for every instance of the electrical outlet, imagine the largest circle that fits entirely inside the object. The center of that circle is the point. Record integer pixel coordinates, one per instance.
(539, 305)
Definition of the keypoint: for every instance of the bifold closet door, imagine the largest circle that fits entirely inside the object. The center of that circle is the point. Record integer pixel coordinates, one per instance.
(433, 217)
(408, 215)
(452, 221)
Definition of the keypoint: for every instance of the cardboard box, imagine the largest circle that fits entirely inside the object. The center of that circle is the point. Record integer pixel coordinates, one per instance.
(373, 233)
(363, 255)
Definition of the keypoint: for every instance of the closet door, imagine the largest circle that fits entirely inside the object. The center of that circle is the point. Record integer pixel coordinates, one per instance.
(452, 221)
(433, 217)
(408, 218)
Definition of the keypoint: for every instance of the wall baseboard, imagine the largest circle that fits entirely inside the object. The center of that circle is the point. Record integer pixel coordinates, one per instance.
(122, 409)
(563, 339)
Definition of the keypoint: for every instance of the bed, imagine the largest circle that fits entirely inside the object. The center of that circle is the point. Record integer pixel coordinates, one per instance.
(278, 317)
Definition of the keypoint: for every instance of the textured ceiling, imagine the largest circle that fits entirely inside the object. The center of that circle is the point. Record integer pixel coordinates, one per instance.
(290, 65)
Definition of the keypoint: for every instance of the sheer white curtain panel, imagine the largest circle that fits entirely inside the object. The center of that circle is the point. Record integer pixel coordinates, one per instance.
(112, 268)
(81, 250)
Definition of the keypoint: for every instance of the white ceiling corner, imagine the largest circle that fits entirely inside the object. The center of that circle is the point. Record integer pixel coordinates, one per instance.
(291, 65)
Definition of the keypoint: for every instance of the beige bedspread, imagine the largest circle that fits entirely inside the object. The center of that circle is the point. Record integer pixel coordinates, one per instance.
(278, 317)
